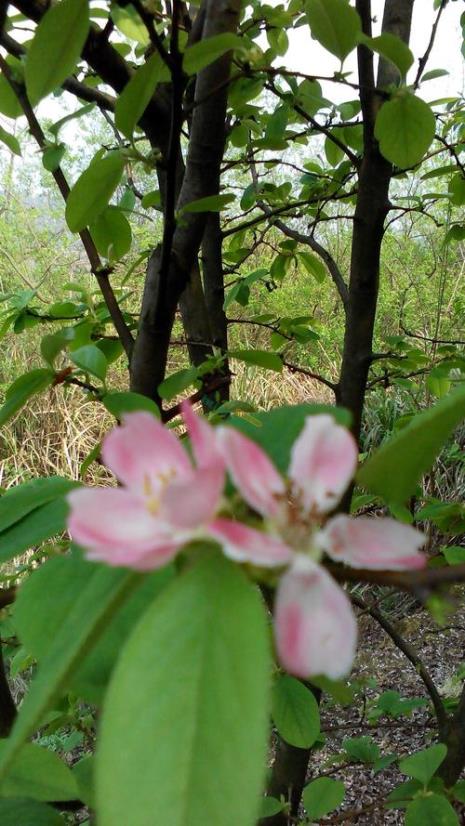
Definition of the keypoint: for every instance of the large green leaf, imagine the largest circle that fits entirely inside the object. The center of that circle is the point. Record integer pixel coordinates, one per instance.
(392, 48)
(322, 795)
(56, 47)
(34, 528)
(422, 765)
(24, 812)
(105, 591)
(90, 359)
(261, 358)
(112, 233)
(212, 203)
(92, 191)
(314, 265)
(335, 25)
(394, 470)
(405, 128)
(22, 389)
(277, 430)
(38, 773)
(20, 500)
(178, 382)
(136, 95)
(119, 403)
(63, 579)
(193, 682)
(10, 141)
(433, 809)
(295, 712)
(204, 52)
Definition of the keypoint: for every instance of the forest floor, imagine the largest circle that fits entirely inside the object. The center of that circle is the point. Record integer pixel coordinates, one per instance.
(442, 651)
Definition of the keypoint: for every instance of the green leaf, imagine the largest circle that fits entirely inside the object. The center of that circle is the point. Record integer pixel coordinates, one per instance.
(136, 95)
(433, 809)
(56, 47)
(454, 555)
(335, 25)
(261, 358)
(92, 191)
(127, 20)
(334, 154)
(23, 812)
(38, 773)
(433, 74)
(112, 234)
(323, 795)
(423, 765)
(394, 470)
(212, 203)
(97, 602)
(78, 113)
(84, 773)
(23, 389)
(338, 690)
(314, 265)
(270, 806)
(295, 712)
(90, 359)
(10, 141)
(63, 578)
(363, 749)
(37, 526)
(204, 52)
(405, 128)
(9, 103)
(20, 500)
(178, 382)
(120, 403)
(199, 704)
(392, 48)
(53, 156)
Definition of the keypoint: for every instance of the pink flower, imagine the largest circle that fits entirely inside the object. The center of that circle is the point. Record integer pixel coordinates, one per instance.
(164, 501)
(315, 625)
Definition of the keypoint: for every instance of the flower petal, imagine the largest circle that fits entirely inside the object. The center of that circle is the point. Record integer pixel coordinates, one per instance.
(315, 627)
(368, 542)
(323, 461)
(114, 526)
(144, 454)
(202, 436)
(244, 544)
(190, 504)
(252, 471)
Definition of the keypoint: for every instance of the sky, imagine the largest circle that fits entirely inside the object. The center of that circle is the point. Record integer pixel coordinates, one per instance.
(446, 52)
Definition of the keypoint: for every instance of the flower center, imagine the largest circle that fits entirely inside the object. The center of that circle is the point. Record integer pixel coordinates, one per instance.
(152, 497)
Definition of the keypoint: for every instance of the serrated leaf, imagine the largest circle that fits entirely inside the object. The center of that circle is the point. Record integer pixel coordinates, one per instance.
(295, 712)
(363, 749)
(97, 603)
(56, 47)
(395, 468)
(405, 127)
(92, 191)
(90, 359)
(185, 706)
(335, 25)
(23, 389)
(136, 95)
(206, 51)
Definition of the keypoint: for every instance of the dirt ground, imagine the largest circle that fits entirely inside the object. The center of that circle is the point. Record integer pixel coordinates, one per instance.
(442, 650)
